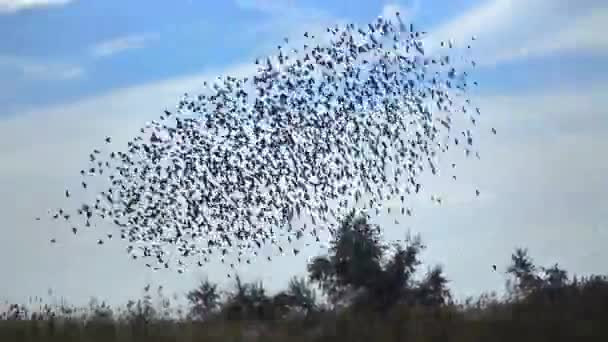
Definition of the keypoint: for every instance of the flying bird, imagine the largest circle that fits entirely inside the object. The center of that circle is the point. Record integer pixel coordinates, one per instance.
(356, 119)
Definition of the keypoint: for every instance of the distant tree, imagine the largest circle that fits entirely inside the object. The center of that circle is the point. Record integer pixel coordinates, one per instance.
(99, 312)
(16, 312)
(203, 300)
(395, 283)
(303, 294)
(356, 272)
(141, 311)
(354, 260)
(299, 297)
(522, 268)
(248, 301)
(433, 290)
(164, 304)
(538, 284)
(402, 267)
(555, 277)
(321, 271)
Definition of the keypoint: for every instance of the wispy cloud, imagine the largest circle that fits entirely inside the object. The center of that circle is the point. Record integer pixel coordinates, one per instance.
(37, 70)
(117, 45)
(508, 30)
(586, 34)
(14, 6)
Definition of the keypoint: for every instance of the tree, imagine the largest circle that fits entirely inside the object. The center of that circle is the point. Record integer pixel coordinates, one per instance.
(433, 290)
(555, 277)
(536, 283)
(522, 268)
(100, 312)
(142, 311)
(356, 273)
(203, 300)
(395, 283)
(305, 296)
(403, 265)
(298, 296)
(354, 261)
(322, 272)
(248, 301)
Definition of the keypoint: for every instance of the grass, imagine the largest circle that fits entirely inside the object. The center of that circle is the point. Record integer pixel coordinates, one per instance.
(573, 317)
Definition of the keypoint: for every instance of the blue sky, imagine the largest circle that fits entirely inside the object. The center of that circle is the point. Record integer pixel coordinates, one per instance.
(72, 72)
(57, 52)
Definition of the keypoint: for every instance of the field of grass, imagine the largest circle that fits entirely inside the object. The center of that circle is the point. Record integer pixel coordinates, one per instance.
(573, 314)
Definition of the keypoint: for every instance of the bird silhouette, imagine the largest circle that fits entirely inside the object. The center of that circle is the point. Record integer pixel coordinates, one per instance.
(317, 130)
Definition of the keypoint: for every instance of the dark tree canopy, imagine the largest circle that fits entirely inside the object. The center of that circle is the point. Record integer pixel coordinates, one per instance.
(358, 270)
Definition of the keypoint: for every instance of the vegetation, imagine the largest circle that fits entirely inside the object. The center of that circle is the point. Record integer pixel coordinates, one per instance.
(362, 290)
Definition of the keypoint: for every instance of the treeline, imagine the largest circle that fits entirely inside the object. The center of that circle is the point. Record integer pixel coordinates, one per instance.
(361, 290)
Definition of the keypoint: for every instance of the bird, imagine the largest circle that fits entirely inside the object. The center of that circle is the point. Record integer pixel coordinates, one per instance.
(235, 167)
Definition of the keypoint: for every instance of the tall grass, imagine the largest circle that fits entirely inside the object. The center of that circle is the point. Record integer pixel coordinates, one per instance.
(576, 312)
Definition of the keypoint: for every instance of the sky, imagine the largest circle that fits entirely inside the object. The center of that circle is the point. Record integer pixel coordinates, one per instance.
(73, 72)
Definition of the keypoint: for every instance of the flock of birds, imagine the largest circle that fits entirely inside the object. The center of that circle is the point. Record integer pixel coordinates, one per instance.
(314, 132)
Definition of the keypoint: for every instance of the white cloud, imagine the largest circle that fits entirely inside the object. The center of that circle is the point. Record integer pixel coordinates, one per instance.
(120, 44)
(14, 6)
(514, 29)
(36, 70)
